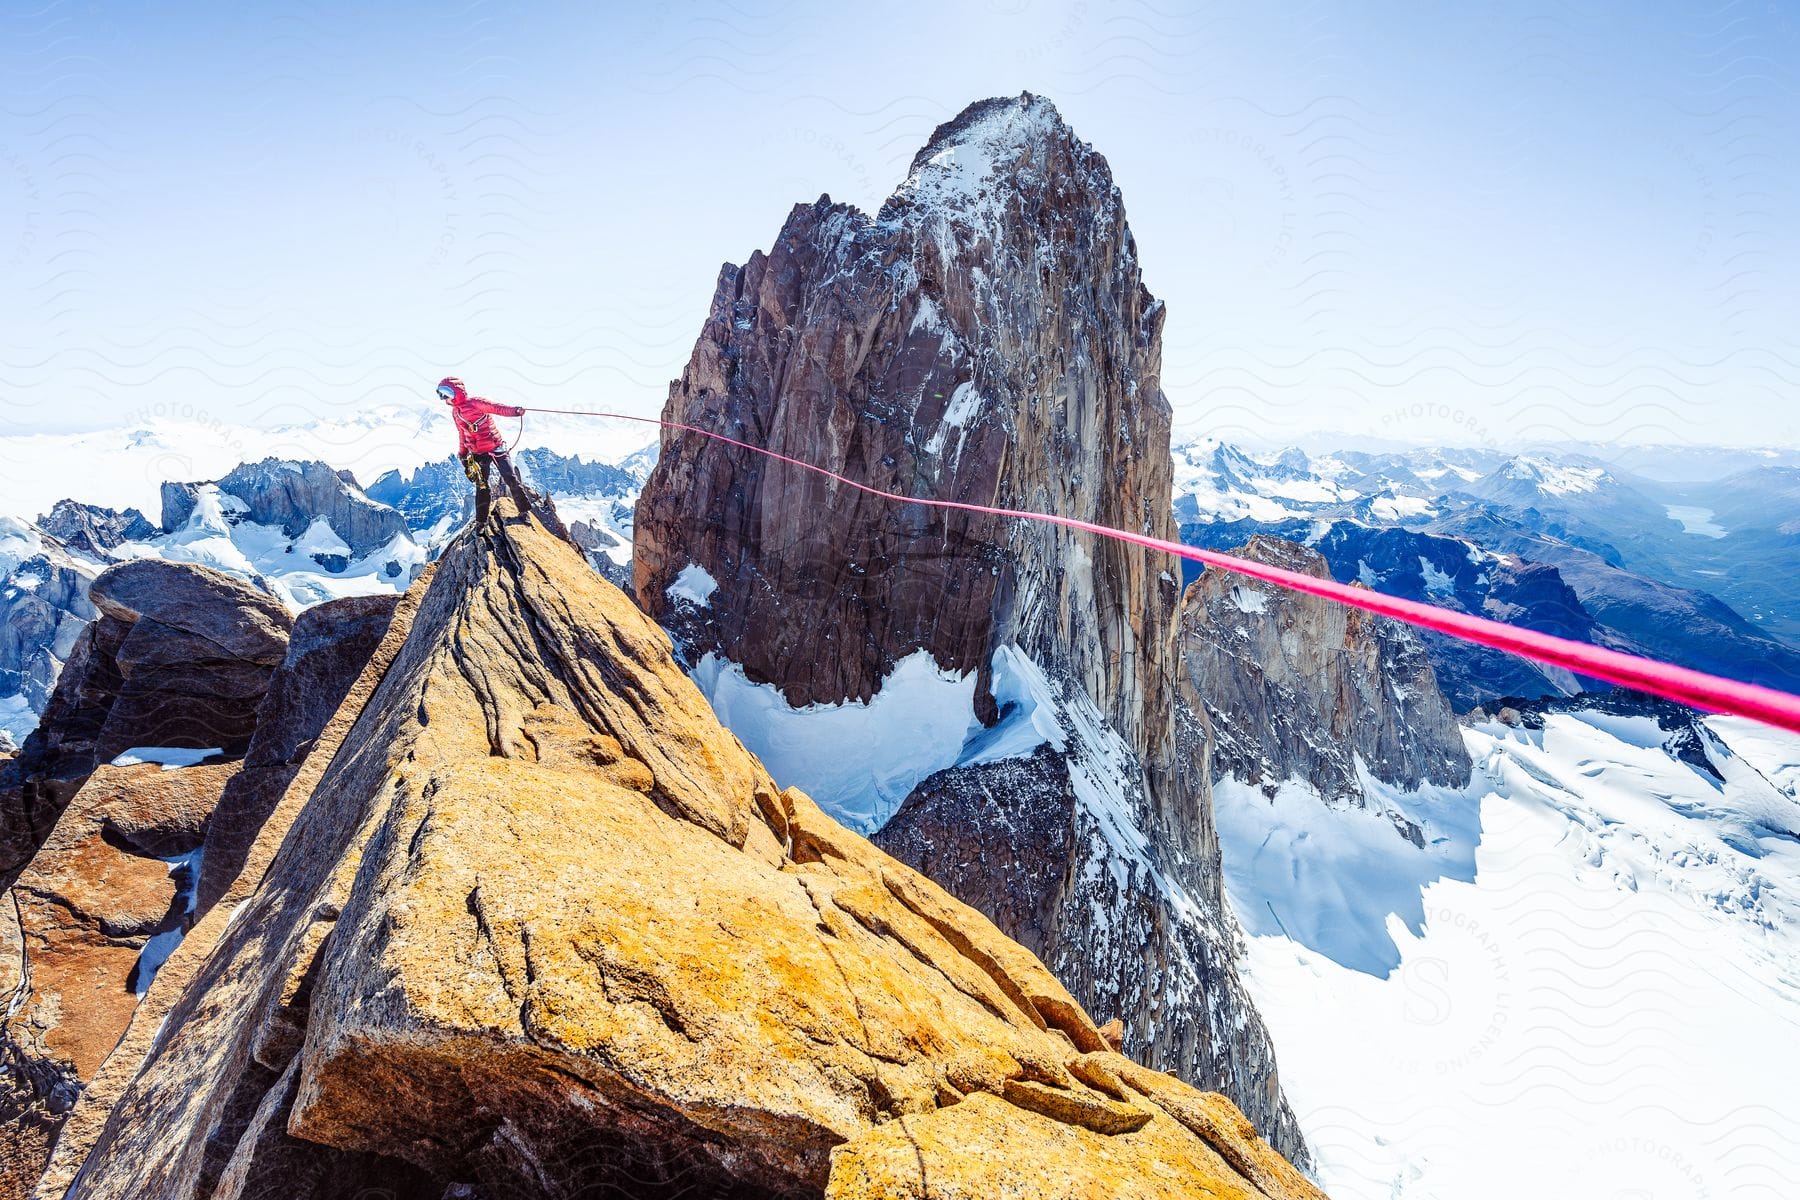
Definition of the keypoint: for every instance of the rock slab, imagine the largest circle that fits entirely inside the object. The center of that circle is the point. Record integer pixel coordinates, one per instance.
(543, 928)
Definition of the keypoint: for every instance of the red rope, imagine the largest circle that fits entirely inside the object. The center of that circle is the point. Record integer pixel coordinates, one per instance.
(1697, 688)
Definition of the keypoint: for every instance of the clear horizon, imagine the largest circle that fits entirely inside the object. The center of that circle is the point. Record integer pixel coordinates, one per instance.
(1473, 228)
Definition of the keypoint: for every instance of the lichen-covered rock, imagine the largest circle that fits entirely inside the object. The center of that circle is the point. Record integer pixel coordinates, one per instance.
(970, 1152)
(1300, 688)
(543, 929)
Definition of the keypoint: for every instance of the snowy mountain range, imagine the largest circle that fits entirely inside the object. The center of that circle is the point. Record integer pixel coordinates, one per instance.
(1586, 947)
(302, 530)
(1699, 573)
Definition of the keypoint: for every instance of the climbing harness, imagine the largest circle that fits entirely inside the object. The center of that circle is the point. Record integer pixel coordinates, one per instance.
(1697, 688)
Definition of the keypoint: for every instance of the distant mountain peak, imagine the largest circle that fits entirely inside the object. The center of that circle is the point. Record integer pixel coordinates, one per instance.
(994, 148)
(1555, 478)
(999, 122)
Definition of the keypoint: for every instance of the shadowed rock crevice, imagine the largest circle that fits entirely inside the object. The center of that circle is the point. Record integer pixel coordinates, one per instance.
(179, 657)
(104, 859)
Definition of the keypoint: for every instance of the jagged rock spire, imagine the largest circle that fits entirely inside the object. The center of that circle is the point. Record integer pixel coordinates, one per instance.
(987, 337)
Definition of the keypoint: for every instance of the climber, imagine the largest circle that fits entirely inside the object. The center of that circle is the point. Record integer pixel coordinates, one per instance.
(479, 445)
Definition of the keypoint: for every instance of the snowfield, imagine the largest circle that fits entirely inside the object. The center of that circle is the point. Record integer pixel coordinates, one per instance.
(858, 760)
(1606, 1003)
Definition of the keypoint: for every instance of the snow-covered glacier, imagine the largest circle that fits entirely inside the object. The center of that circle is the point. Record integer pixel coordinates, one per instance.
(1595, 984)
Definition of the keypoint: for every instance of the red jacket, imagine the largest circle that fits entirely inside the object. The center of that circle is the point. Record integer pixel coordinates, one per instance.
(474, 419)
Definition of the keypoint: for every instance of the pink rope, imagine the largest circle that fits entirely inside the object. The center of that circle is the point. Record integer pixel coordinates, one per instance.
(1697, 688)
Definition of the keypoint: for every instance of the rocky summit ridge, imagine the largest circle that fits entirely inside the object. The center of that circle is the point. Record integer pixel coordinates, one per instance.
(528, 922)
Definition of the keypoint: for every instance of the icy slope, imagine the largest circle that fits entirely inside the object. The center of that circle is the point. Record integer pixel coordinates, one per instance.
(1609, 1002)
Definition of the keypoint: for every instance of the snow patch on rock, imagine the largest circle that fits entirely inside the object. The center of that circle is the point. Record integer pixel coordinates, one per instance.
(1249, 599)
(185, 870)
(169, 757)
(694, 585)
(858, 760)
(965, 405)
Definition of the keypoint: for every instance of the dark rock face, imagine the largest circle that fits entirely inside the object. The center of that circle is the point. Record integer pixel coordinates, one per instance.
(195, 659)
(994, 343)
(950, 829)
(178, 502)
(329, 647)
(180, 656)
(206, 605)
(295, 494)
(95, 531)
(987, 337)
(43, 608)
(1452, 572)
(1298, 687)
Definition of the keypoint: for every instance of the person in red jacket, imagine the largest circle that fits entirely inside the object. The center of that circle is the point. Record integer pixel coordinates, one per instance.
(480, 445)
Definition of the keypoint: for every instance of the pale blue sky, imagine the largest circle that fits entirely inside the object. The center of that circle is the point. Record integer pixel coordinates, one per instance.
(1424, 221)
